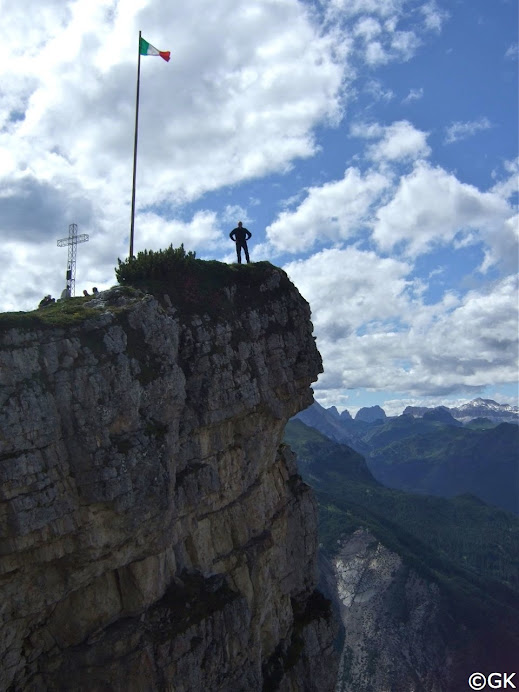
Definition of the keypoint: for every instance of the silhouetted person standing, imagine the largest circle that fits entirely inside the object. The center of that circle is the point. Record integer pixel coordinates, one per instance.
(240, 236)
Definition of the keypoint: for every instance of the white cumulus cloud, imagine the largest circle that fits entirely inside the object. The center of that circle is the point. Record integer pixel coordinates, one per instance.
(330, 213)
(431, 206)
(398, 141)
(386, 337)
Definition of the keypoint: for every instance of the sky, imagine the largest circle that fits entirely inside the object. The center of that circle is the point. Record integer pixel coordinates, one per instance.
(370, 146)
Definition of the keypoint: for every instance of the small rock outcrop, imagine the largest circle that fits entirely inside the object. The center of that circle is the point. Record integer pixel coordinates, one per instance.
(155, 533)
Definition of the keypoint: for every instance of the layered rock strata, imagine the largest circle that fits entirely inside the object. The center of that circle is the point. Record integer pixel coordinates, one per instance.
(155, 534)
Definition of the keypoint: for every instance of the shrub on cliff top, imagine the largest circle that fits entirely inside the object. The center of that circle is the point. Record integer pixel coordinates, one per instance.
(154, 265)
(195, 285)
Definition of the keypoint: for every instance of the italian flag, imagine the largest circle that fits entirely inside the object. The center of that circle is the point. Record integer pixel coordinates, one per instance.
(146, 48)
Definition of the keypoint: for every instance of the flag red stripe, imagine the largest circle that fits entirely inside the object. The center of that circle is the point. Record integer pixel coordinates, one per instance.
(165, 54)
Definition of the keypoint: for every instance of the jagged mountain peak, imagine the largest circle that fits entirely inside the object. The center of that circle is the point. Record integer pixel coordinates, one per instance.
(479, 408)
(369, 414)
(334, 412)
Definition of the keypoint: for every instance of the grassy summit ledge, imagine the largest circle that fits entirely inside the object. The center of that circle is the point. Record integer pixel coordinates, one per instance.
(62, 313)
(194, 286)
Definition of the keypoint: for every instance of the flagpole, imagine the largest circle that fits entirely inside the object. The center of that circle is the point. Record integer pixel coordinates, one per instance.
(135, 145)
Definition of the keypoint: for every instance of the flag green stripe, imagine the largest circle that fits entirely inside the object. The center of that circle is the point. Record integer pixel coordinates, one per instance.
(146, 48)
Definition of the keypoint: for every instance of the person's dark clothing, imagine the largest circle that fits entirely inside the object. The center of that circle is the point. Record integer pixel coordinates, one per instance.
(241, 235)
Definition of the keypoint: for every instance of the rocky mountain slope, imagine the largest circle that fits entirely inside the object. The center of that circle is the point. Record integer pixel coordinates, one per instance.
(154, 533)
(393, 621)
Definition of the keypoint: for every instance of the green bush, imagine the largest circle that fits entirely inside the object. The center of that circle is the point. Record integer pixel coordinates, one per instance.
(155, 265)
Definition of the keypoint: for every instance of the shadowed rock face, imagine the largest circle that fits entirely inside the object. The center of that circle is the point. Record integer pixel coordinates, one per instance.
(154, 533)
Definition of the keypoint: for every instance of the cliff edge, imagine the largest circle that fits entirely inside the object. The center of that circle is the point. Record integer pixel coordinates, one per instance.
(155, 533)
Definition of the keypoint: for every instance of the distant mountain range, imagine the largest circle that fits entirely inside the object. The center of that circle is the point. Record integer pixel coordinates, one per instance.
(478, 408)
(434, 452)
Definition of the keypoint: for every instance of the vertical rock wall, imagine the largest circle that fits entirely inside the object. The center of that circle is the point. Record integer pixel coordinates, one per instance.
(154, 533)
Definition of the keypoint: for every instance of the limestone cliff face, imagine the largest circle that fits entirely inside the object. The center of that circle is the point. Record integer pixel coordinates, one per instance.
(155, 535)
(395, 627)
